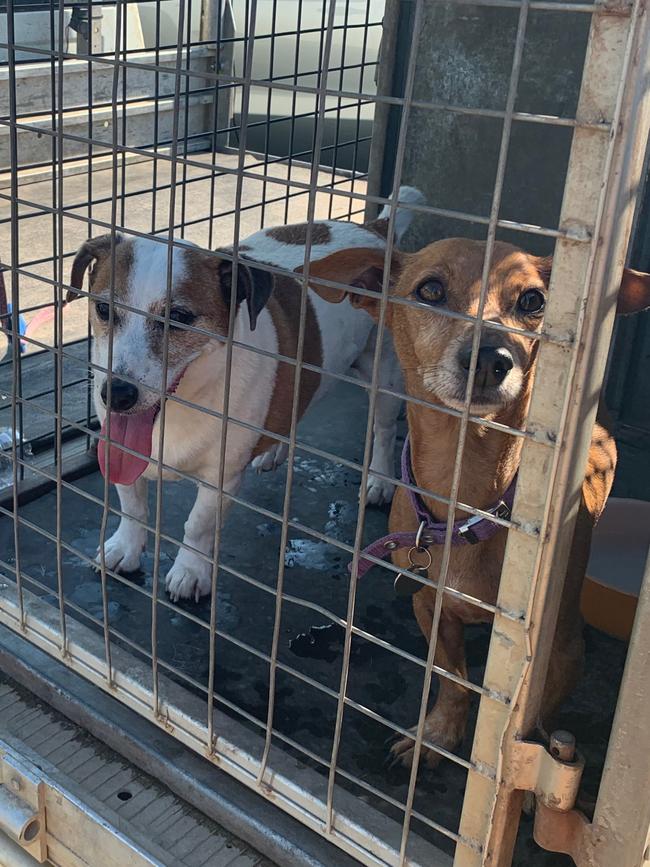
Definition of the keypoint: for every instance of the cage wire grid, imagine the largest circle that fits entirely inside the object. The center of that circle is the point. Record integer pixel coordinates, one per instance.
(155, 686)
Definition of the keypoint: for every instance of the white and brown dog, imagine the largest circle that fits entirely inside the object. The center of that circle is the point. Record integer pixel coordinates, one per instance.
(338, 339)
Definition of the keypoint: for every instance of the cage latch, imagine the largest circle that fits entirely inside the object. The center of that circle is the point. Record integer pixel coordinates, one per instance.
(22, 806)
(552, 774)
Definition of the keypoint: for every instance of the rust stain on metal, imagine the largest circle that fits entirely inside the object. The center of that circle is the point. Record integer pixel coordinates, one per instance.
(615, 7)
(557, 831)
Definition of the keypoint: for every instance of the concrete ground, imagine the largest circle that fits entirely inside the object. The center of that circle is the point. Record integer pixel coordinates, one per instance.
(323, 497)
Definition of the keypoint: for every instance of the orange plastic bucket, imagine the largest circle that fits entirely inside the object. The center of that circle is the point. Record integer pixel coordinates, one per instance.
(619, 550)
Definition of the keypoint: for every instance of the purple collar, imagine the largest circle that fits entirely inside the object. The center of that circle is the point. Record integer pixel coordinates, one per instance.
(470, 531)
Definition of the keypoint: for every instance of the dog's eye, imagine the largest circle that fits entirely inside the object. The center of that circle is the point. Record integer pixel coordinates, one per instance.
(103, 310)
(180, 314)
(431, 292)
(531, 301)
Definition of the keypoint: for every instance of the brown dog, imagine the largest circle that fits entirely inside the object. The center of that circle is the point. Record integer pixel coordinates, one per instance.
(434, 352)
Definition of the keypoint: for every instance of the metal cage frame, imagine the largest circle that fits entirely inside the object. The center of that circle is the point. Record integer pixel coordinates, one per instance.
(609, 133)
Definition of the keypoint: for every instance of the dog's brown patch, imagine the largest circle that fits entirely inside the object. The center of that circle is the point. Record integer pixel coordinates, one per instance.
(379, 227)
(242, 248)
(96, 255)
(200, 294)
(298, 234)
(284, 307)
(99, 280)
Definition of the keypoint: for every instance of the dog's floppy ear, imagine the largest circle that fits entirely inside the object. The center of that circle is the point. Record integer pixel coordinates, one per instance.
(90, 251)
(357, 267)
(254, 286)
(633, 294)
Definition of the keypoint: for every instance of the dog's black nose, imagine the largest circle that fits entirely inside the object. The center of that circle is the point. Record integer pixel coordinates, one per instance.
(493, 364)
(124, 395)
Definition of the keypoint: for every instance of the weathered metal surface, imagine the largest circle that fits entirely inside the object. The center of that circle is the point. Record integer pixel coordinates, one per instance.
(553, 781)
(65, 830)
(22, 805)
(92, 800)
(564, 832)
(620, 832)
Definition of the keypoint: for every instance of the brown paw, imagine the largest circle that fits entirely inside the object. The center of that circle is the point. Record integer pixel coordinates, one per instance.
(403, 750)
(443, 730)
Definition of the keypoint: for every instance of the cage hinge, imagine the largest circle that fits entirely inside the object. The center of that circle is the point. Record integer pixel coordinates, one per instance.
(552, 774)
(22, 806)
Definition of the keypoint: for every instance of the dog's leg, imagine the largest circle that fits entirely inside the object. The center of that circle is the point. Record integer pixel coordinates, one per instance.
(380, 491)
(271, 459)
(387, 408)
(568, 650)
(446, 721)
(191, 575)
(123, 551)
(565, 668)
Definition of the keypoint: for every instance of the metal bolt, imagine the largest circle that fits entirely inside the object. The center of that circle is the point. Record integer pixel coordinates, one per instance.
(563, 746)
(390, 545)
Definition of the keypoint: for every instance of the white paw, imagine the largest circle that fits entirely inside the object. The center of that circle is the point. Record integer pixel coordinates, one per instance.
(123, 551)
(379, 491)
(271, 459)
(189, 578)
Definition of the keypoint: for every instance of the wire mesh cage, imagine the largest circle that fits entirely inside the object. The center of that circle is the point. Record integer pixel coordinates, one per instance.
(201, 161)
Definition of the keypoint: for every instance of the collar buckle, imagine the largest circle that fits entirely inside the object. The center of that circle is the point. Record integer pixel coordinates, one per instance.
(465, 531)
(503, 511)
(467, 534)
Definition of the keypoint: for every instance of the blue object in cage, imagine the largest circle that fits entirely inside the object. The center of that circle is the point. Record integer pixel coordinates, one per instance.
(22, 328)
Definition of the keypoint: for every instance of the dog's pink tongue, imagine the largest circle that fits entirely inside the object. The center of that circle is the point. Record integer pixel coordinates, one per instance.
(135, 432)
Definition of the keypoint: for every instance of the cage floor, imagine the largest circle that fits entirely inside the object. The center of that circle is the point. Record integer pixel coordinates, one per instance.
(324, 497)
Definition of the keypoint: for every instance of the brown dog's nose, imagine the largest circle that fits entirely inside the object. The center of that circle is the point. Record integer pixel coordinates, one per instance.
(493, 364)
